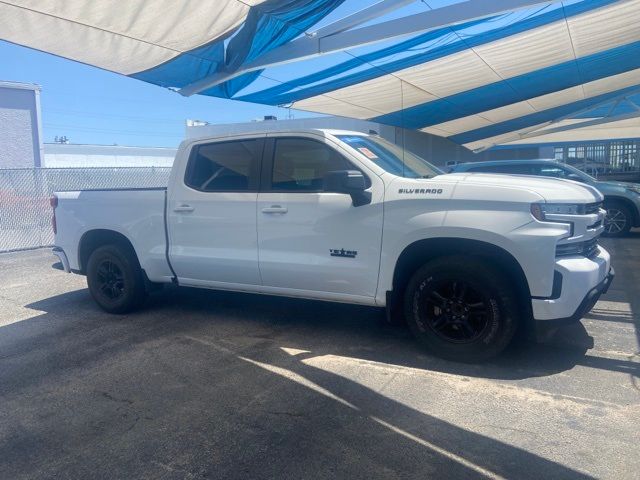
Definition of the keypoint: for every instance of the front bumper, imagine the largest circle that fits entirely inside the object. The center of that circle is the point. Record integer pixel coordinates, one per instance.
(584, 280)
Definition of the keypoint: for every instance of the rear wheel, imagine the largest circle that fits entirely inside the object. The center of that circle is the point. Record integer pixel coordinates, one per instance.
(462, 308)
(617, 223)
(115, 278)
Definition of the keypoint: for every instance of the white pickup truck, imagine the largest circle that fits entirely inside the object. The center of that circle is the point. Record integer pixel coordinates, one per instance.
(466, 259)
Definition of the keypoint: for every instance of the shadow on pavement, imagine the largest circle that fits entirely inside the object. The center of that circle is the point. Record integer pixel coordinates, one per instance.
(625, 258)
(361, 332)
(335, 329)
(198, 385)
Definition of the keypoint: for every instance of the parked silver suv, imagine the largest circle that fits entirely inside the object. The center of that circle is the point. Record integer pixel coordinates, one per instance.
(621, 199)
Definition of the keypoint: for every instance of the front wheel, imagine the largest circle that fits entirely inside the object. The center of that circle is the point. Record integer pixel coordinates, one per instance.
(115, 279)
(617, 223)
(462, 308)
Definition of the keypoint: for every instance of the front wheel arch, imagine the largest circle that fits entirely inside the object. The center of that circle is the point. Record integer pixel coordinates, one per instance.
(420, 252)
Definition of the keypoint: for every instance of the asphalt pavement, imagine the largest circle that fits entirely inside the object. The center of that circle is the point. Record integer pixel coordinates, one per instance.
(203, 384)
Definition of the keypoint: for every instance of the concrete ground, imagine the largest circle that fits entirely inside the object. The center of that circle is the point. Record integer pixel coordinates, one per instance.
(203, 384)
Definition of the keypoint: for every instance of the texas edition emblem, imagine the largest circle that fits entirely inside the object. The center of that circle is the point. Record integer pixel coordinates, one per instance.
(343, 253)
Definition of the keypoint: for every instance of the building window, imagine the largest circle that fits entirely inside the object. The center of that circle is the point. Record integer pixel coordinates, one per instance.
(602, 158)
(624, 156)
(558, 154)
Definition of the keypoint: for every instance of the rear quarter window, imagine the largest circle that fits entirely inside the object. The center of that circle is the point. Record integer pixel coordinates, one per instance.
(224, 166)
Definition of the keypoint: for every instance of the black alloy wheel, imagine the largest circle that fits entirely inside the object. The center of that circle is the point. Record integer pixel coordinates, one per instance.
(456, 311)
(115, 279)
(111, 280)
(462, 307)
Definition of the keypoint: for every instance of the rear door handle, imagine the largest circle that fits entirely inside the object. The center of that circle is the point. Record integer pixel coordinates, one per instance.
(184, 208)
(275, 209)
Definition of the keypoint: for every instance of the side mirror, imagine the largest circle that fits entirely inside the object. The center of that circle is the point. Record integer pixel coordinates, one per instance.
(575, 177)
(351, 182)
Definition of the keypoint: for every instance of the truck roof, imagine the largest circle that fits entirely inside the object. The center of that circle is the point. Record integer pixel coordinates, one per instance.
(316, 131)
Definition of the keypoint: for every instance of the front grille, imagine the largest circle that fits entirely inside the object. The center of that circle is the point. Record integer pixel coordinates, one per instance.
(587, 249)
(591, 248)
(595, 226)
(591, 208)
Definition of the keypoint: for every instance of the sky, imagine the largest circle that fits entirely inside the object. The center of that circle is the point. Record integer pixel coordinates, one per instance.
(93, 106)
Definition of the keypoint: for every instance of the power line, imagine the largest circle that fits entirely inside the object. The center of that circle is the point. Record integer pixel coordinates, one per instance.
(105, 130)
(83, 113)
(130, 100)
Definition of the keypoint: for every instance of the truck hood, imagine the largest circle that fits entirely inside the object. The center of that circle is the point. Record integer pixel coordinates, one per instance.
(550, 189)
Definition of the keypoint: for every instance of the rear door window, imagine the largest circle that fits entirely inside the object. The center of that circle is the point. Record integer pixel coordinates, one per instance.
(225, 166)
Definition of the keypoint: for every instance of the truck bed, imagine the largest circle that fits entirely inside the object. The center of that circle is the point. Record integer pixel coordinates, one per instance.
(136, 213)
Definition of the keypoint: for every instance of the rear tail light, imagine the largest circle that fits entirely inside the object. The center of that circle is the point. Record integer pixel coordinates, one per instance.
(53, 201)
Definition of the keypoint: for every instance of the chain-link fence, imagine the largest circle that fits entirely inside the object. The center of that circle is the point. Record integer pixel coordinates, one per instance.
(25, 213)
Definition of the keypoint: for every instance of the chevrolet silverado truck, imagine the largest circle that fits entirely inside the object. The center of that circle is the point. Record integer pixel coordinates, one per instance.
(465, 259)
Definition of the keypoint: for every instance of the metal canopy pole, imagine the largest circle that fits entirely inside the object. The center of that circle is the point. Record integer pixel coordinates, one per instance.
(358, 18)
(537, 130)
(586, 123)
(336, 38)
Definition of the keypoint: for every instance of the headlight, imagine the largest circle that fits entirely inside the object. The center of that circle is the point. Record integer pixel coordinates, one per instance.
(541, 210)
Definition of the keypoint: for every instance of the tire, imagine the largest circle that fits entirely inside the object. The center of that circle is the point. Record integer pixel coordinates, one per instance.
(461, 308)
(115, 278)
(618, 220)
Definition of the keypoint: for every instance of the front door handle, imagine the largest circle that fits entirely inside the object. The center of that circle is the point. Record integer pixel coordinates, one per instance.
(184, 208)
(275, 209)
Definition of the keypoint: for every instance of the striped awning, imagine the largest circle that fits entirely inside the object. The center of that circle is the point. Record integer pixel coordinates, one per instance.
(481, 73)
(614, 120)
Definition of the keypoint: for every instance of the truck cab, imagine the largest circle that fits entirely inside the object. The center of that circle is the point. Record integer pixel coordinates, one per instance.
(465, 259)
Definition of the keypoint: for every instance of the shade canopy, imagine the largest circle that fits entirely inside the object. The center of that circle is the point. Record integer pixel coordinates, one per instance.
(482, 73)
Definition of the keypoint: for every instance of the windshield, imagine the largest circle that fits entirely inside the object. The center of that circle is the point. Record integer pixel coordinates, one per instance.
(390, 157)
(584, 176)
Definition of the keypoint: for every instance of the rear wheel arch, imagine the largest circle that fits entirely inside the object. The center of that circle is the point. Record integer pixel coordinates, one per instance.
(93, 239)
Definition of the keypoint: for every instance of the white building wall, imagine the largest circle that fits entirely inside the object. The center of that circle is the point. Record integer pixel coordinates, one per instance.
(20, 127)
(58, 155)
